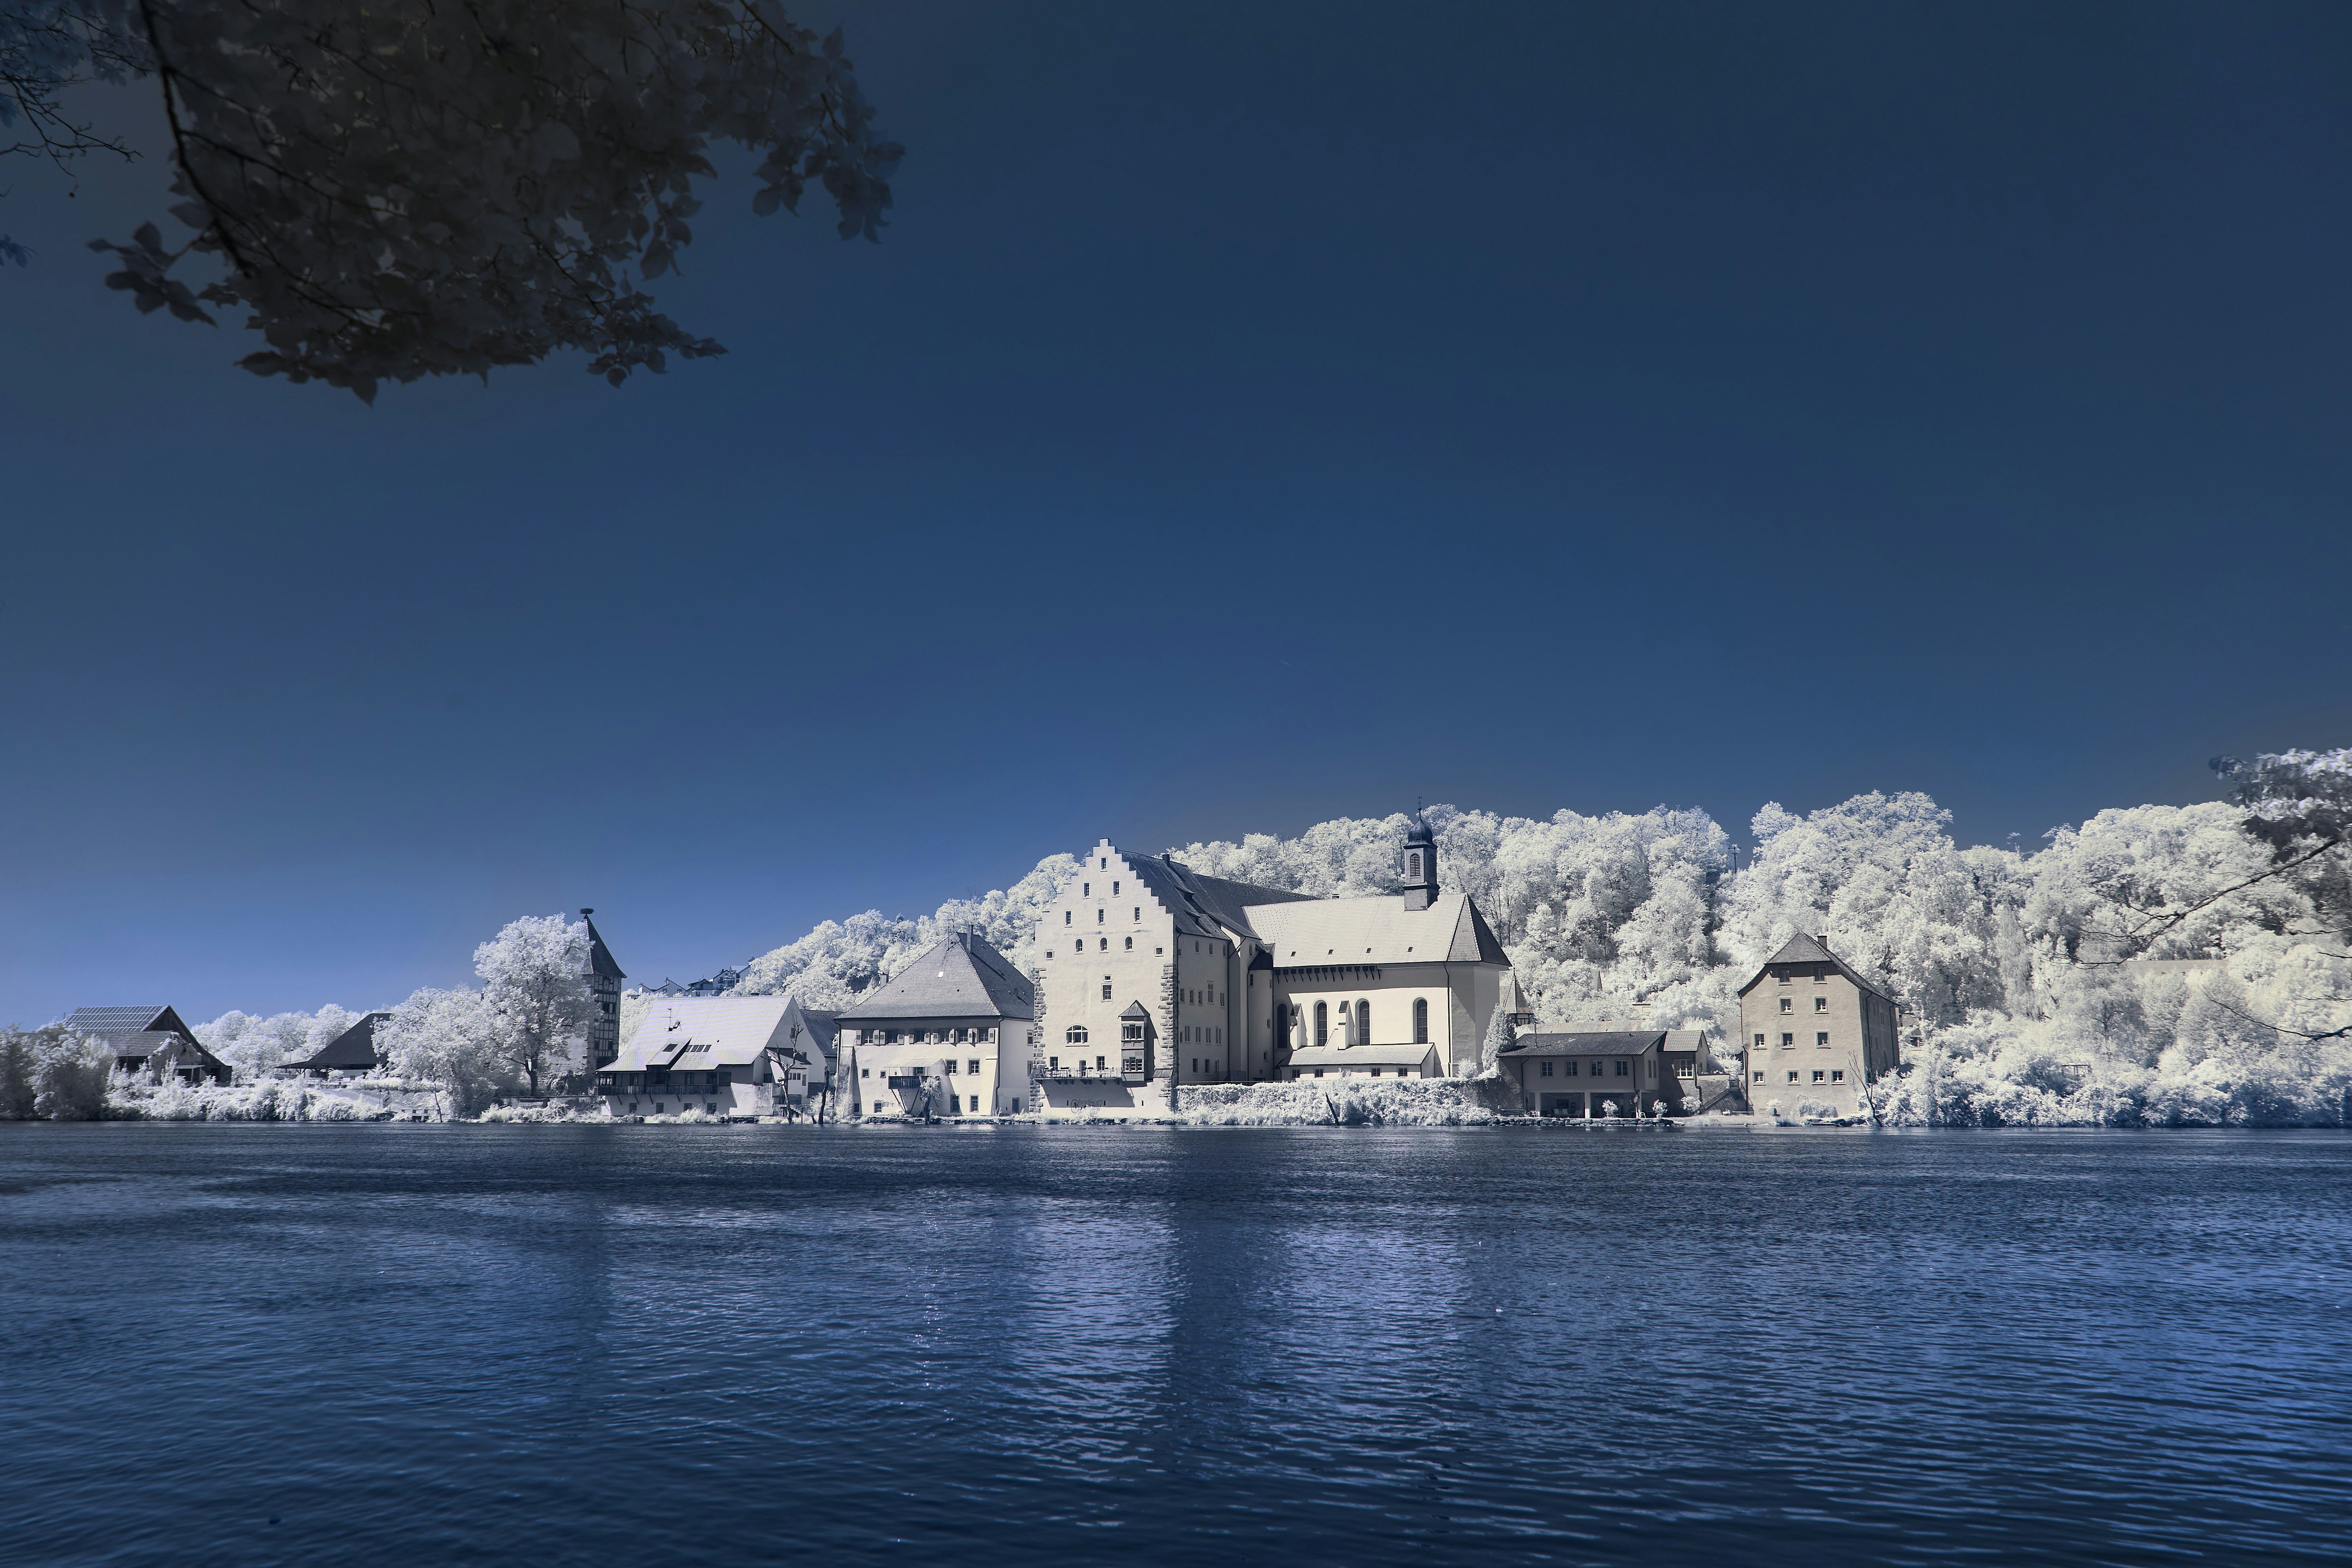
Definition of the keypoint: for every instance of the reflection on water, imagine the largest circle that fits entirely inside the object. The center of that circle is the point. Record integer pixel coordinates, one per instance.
(397, 1344)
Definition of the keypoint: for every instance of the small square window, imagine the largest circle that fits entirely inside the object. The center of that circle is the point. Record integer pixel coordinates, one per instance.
(951, 1069)
(1837, 1075)
(1821, 1038)
(1788, 1003)
(1821, 1004)
(1792, 1078)
(1788, 1040)
(1760, 1076)
(972, 1066)
(1818, 1075)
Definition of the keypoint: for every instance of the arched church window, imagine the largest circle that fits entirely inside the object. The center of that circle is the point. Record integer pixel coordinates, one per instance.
(1421, 1020)
(1412, 867)
(1363, 1023)
(1075, 1035)
(1322, 1024)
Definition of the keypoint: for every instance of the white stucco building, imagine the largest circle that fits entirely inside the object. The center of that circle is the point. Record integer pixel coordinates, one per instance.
(1155, 977)
(949, 1035)
(720, 1056)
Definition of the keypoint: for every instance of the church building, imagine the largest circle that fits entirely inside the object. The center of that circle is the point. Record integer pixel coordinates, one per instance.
(1187, 979)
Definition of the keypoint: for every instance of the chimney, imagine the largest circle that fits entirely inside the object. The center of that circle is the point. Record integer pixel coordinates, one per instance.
(1823, 938)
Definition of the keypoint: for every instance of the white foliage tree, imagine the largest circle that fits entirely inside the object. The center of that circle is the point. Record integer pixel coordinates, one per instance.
(450, 1038)
(535, 992)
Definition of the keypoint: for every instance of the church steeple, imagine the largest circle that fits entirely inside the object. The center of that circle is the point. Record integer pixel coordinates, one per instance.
(1417, 865)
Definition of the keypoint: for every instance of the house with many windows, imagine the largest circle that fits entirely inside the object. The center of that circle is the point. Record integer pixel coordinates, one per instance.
(1156, 976)
(1816, 1033)
(1593, 1073)
(730, 1056)
(948, 1035)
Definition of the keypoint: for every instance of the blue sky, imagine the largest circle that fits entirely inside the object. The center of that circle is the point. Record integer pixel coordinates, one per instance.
(1253, 415)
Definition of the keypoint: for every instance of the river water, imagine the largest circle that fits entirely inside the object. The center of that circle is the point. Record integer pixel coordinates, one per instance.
(414, 1344)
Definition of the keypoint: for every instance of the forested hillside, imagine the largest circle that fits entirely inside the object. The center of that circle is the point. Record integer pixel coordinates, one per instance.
(2013, 966)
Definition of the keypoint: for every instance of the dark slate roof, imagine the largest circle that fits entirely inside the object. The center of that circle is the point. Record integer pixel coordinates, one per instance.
(962, 977)
(1809, 950)
(600, 957)
(822, 1026)
(1203, 904)
(1630, 1043)
(1135, 1010)
(1490, 950)
(355, 1047)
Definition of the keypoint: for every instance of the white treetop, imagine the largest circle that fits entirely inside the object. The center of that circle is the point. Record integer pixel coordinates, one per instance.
(535, 991)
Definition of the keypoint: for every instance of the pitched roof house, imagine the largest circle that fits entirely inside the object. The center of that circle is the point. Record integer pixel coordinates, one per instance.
(1817, 1034)
(351, 1054)
(149, 1042)
(948, 1035)
(721, 1055)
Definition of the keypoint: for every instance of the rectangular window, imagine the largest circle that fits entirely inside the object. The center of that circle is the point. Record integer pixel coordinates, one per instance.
(1106, 987)
(972, 1066)
(1053, 1062)
(1837, 1075)
(1787, 1041)
(1545, 1070)
(1821, 1004)
(1823, 1038)
(1098, 1061)
(1788, 1003)
(1571, 1070)
(864, 1072)
(1759, 1077)
(951, 1066)
(1792, 1078)
(1817, 1075)
(1621, 1069)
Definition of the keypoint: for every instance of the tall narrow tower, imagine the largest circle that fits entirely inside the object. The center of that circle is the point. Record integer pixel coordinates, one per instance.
(1417, 865)
(604, 978)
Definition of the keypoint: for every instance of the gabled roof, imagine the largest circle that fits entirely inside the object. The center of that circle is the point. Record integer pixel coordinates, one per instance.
(701, 1032)
(1631, 1042)
(1202, 906)
(355, 1047)
(1378, 929)
(962, 977)
(1135, 1010)
(1809, 950)
(824, 1028)
(1361, 1055)
(600, 957)
(134, 1034)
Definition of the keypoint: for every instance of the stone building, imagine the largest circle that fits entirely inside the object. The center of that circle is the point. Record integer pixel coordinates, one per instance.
(1816, 1033)
(948, 1035)
(1180, 978)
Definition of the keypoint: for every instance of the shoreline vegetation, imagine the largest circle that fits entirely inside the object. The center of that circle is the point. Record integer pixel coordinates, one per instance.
(2153, 966)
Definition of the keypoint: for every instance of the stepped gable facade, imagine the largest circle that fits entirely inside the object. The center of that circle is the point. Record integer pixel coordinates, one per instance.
(1158, 976)
(1814, 1031)
(151, 1043)
(947, 1035)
